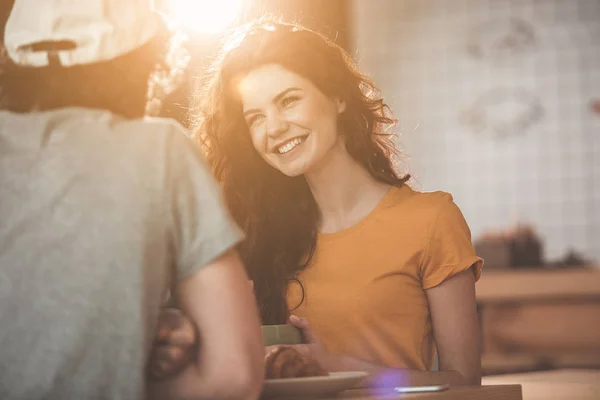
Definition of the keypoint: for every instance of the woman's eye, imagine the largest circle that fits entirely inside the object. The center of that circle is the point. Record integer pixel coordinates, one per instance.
(289, 100)
(253, 119)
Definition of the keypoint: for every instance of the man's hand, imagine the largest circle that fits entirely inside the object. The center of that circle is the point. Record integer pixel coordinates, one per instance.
(174, 345)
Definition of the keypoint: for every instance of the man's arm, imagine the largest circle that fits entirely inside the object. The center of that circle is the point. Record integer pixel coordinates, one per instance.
(229, 363)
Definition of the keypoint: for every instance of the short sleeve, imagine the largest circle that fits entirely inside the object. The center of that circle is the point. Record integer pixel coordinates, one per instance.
(449, 248)
(202, 229)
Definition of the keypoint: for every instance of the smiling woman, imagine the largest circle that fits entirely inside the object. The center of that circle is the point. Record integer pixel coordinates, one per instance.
(292, 123)
(299, 139)
(284, 102)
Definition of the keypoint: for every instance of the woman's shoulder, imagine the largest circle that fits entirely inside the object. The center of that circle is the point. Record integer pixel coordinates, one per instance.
(406, 199)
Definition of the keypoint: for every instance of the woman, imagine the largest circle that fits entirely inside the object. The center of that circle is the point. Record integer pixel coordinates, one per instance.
(298, 138)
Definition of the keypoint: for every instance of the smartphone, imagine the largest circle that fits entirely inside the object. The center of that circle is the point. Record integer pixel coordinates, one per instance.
(421, 389)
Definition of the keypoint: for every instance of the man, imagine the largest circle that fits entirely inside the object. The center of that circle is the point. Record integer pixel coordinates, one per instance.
(102, 212)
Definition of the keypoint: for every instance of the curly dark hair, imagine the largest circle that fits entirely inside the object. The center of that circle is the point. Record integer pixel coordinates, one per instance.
(278, 213)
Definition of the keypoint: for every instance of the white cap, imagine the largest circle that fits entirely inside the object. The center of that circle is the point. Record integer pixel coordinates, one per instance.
(101, 30)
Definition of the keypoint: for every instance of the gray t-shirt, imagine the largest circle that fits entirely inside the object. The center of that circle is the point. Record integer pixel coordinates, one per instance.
(99, 215)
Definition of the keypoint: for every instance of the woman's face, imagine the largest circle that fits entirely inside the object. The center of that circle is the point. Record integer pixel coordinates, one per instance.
(293, 125)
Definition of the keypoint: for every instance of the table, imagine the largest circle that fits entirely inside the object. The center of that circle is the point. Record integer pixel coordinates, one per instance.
(580, 384)
(490, 392)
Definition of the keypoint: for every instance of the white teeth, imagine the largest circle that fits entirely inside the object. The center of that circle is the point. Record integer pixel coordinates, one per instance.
(289, 146)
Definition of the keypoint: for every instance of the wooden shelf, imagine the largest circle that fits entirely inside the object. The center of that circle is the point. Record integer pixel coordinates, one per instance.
(538, 284)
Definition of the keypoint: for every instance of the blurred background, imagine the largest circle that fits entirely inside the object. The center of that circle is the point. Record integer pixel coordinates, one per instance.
(498, 103)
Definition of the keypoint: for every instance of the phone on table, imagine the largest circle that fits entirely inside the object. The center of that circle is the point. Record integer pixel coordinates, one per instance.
(421, 389)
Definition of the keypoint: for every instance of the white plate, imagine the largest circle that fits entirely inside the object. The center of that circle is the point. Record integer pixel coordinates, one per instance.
(313, 386)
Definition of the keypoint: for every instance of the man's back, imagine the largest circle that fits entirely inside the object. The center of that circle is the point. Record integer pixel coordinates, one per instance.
(95, 213)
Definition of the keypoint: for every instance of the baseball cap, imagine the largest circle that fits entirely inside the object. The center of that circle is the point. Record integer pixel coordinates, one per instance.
(76, 32)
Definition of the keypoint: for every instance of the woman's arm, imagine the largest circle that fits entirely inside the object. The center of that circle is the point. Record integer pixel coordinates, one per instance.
(453, 309)
(456, 331)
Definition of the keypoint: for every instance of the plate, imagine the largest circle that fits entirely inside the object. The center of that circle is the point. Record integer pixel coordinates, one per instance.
(313, 386)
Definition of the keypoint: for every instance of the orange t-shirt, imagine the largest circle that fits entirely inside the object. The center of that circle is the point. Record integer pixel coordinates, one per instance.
(365, 287)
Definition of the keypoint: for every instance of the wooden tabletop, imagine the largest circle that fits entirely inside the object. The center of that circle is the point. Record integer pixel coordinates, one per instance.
(490, 392)
(554, 385)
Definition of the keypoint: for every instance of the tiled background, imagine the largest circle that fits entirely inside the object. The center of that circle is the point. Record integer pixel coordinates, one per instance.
(494, 102)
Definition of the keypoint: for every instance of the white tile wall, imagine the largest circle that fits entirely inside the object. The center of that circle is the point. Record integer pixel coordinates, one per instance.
(548, 173)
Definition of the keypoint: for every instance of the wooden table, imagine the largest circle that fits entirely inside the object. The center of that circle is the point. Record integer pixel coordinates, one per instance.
(554, 385)
(490, 392)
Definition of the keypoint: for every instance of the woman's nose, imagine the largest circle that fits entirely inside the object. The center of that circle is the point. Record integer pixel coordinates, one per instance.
(276, 125)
